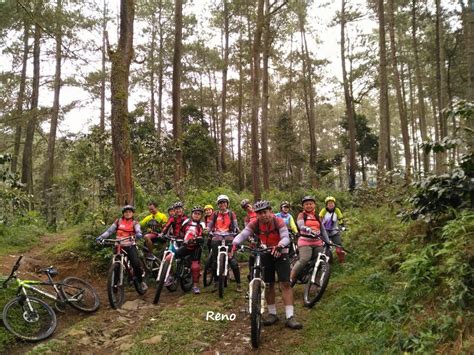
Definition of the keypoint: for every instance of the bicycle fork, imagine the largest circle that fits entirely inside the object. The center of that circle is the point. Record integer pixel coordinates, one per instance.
(223, 250)
(257, 270)
(315, 269)
(165, 256)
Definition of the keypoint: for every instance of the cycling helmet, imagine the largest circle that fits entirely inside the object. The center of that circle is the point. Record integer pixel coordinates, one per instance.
(244, 203)
(284, 204)
(330, 198)
(208, 207)
(178, 204)
(128, 208)
(171, 208)
(307, 198)
(222, 198)
(262, 205)
(197, 209)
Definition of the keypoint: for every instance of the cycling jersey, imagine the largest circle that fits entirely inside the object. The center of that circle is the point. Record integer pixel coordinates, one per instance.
(289, 221)
(154, 222)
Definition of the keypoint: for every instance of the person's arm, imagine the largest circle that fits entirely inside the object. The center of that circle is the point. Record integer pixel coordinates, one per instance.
(324, 233)
(167, 225)
(322, 213)
(162, 218)
(234, 223)
(138, 231)
(210, 226)
(284, 236)
(111, 230)
(339, 216)
(145, 220)
(244, 235)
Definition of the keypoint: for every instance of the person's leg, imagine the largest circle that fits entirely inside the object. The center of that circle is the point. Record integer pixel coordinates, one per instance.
(305, 253)
(135, 261)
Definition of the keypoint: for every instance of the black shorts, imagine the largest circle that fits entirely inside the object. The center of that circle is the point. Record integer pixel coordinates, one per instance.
(279, 265)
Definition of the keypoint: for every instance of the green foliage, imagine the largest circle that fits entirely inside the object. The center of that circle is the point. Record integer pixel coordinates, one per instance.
(21, 233)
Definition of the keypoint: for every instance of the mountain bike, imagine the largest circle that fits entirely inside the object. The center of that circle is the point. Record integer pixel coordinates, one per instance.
(120, 269)
(181, 275)
(32, 319)
(223, 262)
(256, 293)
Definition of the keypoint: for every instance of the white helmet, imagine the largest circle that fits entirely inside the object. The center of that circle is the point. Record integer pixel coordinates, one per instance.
(221, 198)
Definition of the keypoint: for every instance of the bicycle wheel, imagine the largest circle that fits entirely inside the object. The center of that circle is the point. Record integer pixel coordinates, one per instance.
(79, 294)
(255, 315)
(208, 273)
(161, 281)
(151, 268)
(186, 277)
(31, 324)
(314, 291)
(222, 277)
(115, 289)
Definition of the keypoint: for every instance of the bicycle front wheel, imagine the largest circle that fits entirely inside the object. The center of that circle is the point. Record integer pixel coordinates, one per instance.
(186, 277)
(313, 291)
(255, 314)
(222, 277)
(115, 289)
(165, 265)
(29, 318)
(79, 294)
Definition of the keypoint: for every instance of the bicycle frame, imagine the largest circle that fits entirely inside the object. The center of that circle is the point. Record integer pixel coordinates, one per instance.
(165, 256)
(316, 265)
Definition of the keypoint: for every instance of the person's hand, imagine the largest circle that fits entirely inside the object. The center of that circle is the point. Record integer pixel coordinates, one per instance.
(276, 251)
(232, 251)
(99, 240)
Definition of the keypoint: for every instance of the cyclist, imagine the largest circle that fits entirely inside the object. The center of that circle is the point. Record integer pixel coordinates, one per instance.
(191, 232)
(224, 221)
(171, 211)
(331, 217)
(285, 215)
(251, 215)
(273, 233)
(125, 228)
(208, 211)
(308, 246)
(153, 223)
(176, 220)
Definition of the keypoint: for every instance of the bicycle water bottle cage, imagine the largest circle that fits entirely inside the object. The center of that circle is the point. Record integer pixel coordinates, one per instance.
(49, 270)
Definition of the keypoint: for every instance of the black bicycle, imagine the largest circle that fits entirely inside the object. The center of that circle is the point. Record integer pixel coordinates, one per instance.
(256, 293)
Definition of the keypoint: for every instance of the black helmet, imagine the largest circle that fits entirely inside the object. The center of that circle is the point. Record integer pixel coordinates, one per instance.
(128, 208)
(197, 209)
(178, 204)
(262, 205)
(284, 203)
(244, 203)
(307, 198)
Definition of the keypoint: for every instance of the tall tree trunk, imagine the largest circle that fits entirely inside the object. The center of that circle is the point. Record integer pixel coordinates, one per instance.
(416, 156)
(48, 195)
(239, 118)
(102, 85)
(290, 81)
(152, 71)
(256, 49)
(27, 160)
(420, 91)
(384, 159)
(21, 96)
(440, 88)
(177, 123)
(350, 111)
(160, 69)
(121, 60)
(309, 99)
(265, 95)
(224, 85)
(469, 40)
(398, 88)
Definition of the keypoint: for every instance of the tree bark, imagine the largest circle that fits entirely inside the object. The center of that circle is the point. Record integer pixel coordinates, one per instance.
(384, 159)
(160, 69)
(256, 49)
(350, 111)
(420, 91)
(121, 60)
(265, 95)
(102, 85)
(398, 88)
(152, 72)
(48, 195)
(27, 160)
(239, 119)
(21, 97)
(177, 122)
(224, 86)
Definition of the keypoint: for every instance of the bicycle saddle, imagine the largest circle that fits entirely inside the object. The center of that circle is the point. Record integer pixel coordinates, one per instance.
(49, 270)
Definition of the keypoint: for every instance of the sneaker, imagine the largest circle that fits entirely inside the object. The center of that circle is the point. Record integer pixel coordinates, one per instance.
(169, 281)
(144, 286)
(196, 290)
(270, 319)
(292, 323)
(238, 288)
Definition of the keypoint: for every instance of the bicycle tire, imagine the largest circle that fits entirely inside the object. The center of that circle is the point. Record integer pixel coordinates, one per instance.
(222, 277)
(322, 280)
(151, 268)
(115, 292)
(255, 314)
(79, 294)
(186, 278)
(161, 282)
(14, 319)
(208, 273)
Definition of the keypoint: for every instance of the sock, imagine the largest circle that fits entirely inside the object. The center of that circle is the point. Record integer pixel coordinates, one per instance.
(289, 311)
(272, 309)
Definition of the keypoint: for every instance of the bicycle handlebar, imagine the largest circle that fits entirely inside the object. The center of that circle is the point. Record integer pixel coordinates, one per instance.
(118, 241)
(12, 274)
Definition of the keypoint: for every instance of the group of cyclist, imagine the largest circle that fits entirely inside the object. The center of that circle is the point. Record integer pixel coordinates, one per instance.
(261, 227)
